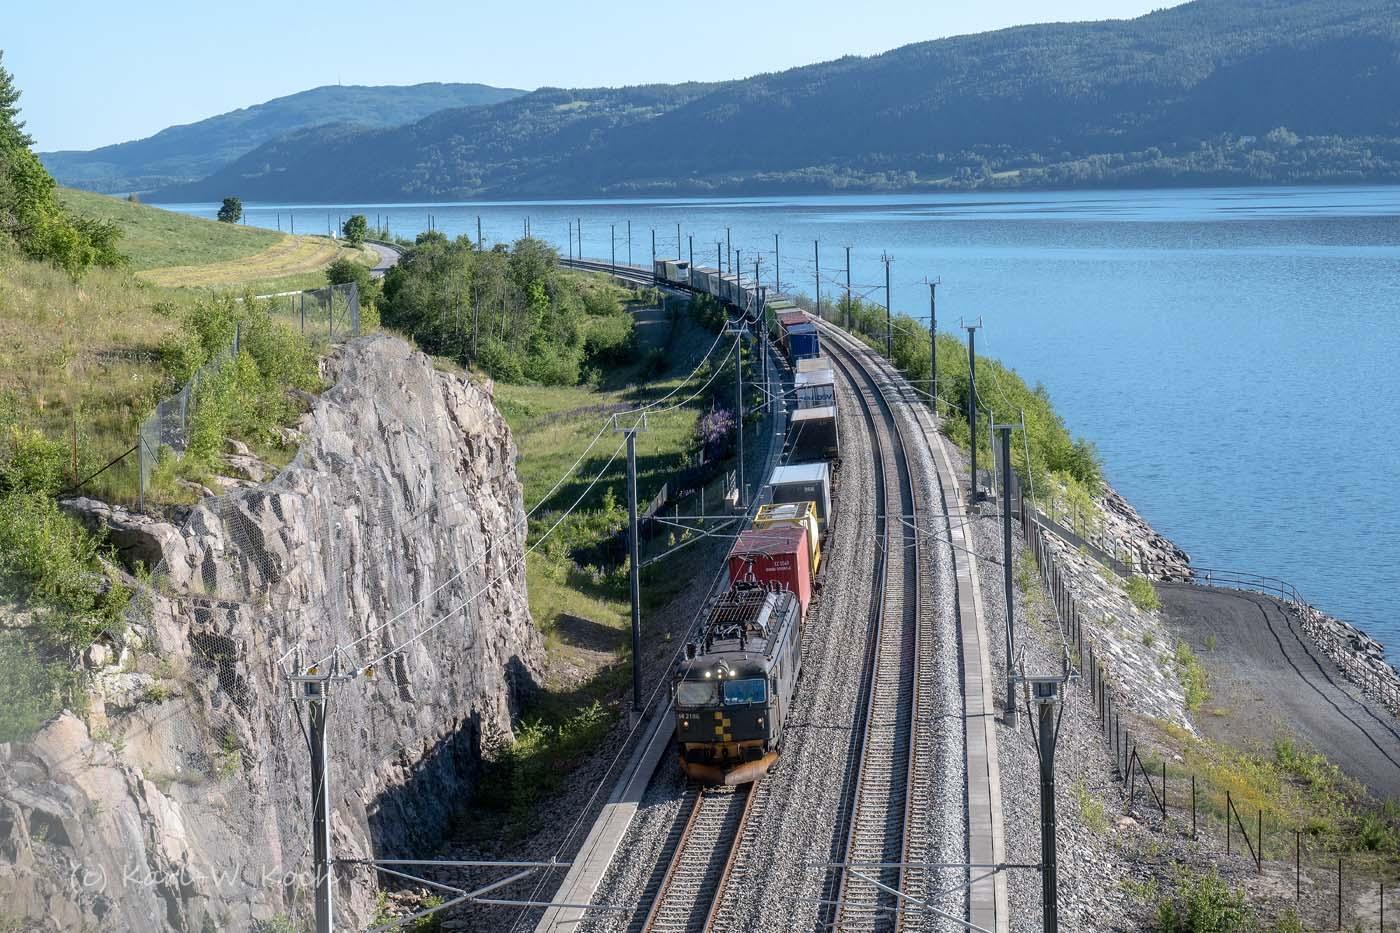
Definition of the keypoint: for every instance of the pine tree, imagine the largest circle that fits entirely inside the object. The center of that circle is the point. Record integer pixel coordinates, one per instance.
(12, 134)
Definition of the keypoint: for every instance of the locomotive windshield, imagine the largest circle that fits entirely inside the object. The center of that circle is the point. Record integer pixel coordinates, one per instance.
(739, 692)
(697, 693)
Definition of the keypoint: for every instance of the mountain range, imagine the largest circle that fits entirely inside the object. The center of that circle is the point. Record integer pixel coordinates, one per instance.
(193, 151)
(1208, 92)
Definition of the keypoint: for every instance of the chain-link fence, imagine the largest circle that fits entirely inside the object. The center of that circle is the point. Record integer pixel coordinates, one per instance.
(331, 313)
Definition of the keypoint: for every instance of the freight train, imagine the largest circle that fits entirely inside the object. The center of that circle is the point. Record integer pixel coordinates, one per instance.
(735, 683)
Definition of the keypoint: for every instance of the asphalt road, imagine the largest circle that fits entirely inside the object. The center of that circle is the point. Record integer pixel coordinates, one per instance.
(1271, 680)
(388, 256)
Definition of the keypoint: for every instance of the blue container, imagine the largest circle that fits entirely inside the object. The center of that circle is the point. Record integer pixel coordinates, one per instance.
(802, 341)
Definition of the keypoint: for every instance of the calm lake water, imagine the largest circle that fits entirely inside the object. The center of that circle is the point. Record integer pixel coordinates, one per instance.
(1234, 353)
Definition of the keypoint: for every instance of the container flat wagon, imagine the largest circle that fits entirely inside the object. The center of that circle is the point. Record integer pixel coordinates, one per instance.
(812, 437)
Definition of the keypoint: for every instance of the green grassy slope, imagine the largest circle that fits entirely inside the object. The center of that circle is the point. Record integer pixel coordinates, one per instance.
(156, 238)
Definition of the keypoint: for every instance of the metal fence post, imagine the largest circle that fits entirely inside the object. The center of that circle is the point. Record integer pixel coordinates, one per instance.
(1228, 810)
(1193, 806)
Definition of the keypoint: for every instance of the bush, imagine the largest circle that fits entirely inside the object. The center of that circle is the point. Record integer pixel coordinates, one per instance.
(32, 689)
(610, 341)
(50, 563)
(535, 763)
(1203, 904)
(1142, 594)
(1191, 675)
(30, 462)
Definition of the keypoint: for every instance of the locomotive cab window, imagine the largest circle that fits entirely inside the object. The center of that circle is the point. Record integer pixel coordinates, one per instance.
(740, 692)
(697, 693)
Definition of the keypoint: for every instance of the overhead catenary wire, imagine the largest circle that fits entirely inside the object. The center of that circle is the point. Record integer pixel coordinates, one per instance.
(720, 574)
(547, 496)
(500, 576)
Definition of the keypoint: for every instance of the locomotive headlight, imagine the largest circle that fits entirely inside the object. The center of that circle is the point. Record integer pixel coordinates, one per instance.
(707, 675)
(760, 720)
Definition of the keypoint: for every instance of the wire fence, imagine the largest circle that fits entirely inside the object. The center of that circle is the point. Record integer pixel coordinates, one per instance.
(332, 312)
(1174, 795)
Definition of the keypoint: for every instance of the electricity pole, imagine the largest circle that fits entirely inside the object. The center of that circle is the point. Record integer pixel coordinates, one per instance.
(479, 241)
(571, 240)
(738, 285)
(678, 241)
(817, 255)
(578, 225)
(728, 246)
(933, 344)
(634, 558)
(612, 229)
(1004, 435)
(691, 267)
(629, 242)
(653, 254)
(315, 692)
(738, 331)
(1046, 691)
(739, 414)
(777, 267)
(889, 319)
(972, 401)
(848, 288)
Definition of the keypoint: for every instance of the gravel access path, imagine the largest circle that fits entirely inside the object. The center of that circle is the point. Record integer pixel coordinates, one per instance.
(1269, 679)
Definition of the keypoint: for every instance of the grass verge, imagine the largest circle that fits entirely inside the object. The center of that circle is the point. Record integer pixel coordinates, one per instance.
(154, 238)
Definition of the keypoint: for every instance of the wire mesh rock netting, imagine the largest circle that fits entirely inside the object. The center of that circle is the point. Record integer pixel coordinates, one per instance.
(331, 314)
(391, 544)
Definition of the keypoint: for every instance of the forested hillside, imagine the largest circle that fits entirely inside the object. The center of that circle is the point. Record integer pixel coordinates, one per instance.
(193, 151)
(1215, 91)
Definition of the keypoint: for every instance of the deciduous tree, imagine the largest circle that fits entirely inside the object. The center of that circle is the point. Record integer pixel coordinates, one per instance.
(356, 229)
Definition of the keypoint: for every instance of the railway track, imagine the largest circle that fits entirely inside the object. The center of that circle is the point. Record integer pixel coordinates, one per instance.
(874, 848)
(893, 814)
(688, 897)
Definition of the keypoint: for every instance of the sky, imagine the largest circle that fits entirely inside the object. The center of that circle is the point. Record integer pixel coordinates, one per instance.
(95, 72)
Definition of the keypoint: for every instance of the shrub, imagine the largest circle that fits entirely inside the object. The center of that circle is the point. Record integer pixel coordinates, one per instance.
(1142, 593)
(32, 689)
(30, 462)
(1191, 674)
(1091, 809)
(610, 341)
(1203, 904)
(715, 433)
(49, 561)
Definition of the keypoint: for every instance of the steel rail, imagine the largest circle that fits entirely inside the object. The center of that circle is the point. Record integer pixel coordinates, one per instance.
(688, 897)
(889, 768)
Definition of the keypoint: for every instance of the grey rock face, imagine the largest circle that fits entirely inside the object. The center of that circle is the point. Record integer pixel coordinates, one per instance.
(397, 534)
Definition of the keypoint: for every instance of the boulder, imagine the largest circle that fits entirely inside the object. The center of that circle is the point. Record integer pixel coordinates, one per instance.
(139, 540)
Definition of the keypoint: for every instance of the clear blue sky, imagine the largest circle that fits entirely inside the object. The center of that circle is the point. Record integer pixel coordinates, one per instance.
(94, 73)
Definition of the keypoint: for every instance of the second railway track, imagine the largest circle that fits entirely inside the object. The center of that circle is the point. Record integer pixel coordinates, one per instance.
(700, 864)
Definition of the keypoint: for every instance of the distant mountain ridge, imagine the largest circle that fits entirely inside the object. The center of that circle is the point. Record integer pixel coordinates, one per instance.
(193, 151)
(1209, 92)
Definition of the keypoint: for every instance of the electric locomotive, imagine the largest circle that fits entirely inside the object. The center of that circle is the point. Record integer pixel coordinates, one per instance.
(734, 686)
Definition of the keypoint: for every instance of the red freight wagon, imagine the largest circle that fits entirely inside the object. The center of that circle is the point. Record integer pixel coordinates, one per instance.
(777, 554)
(788, 318)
